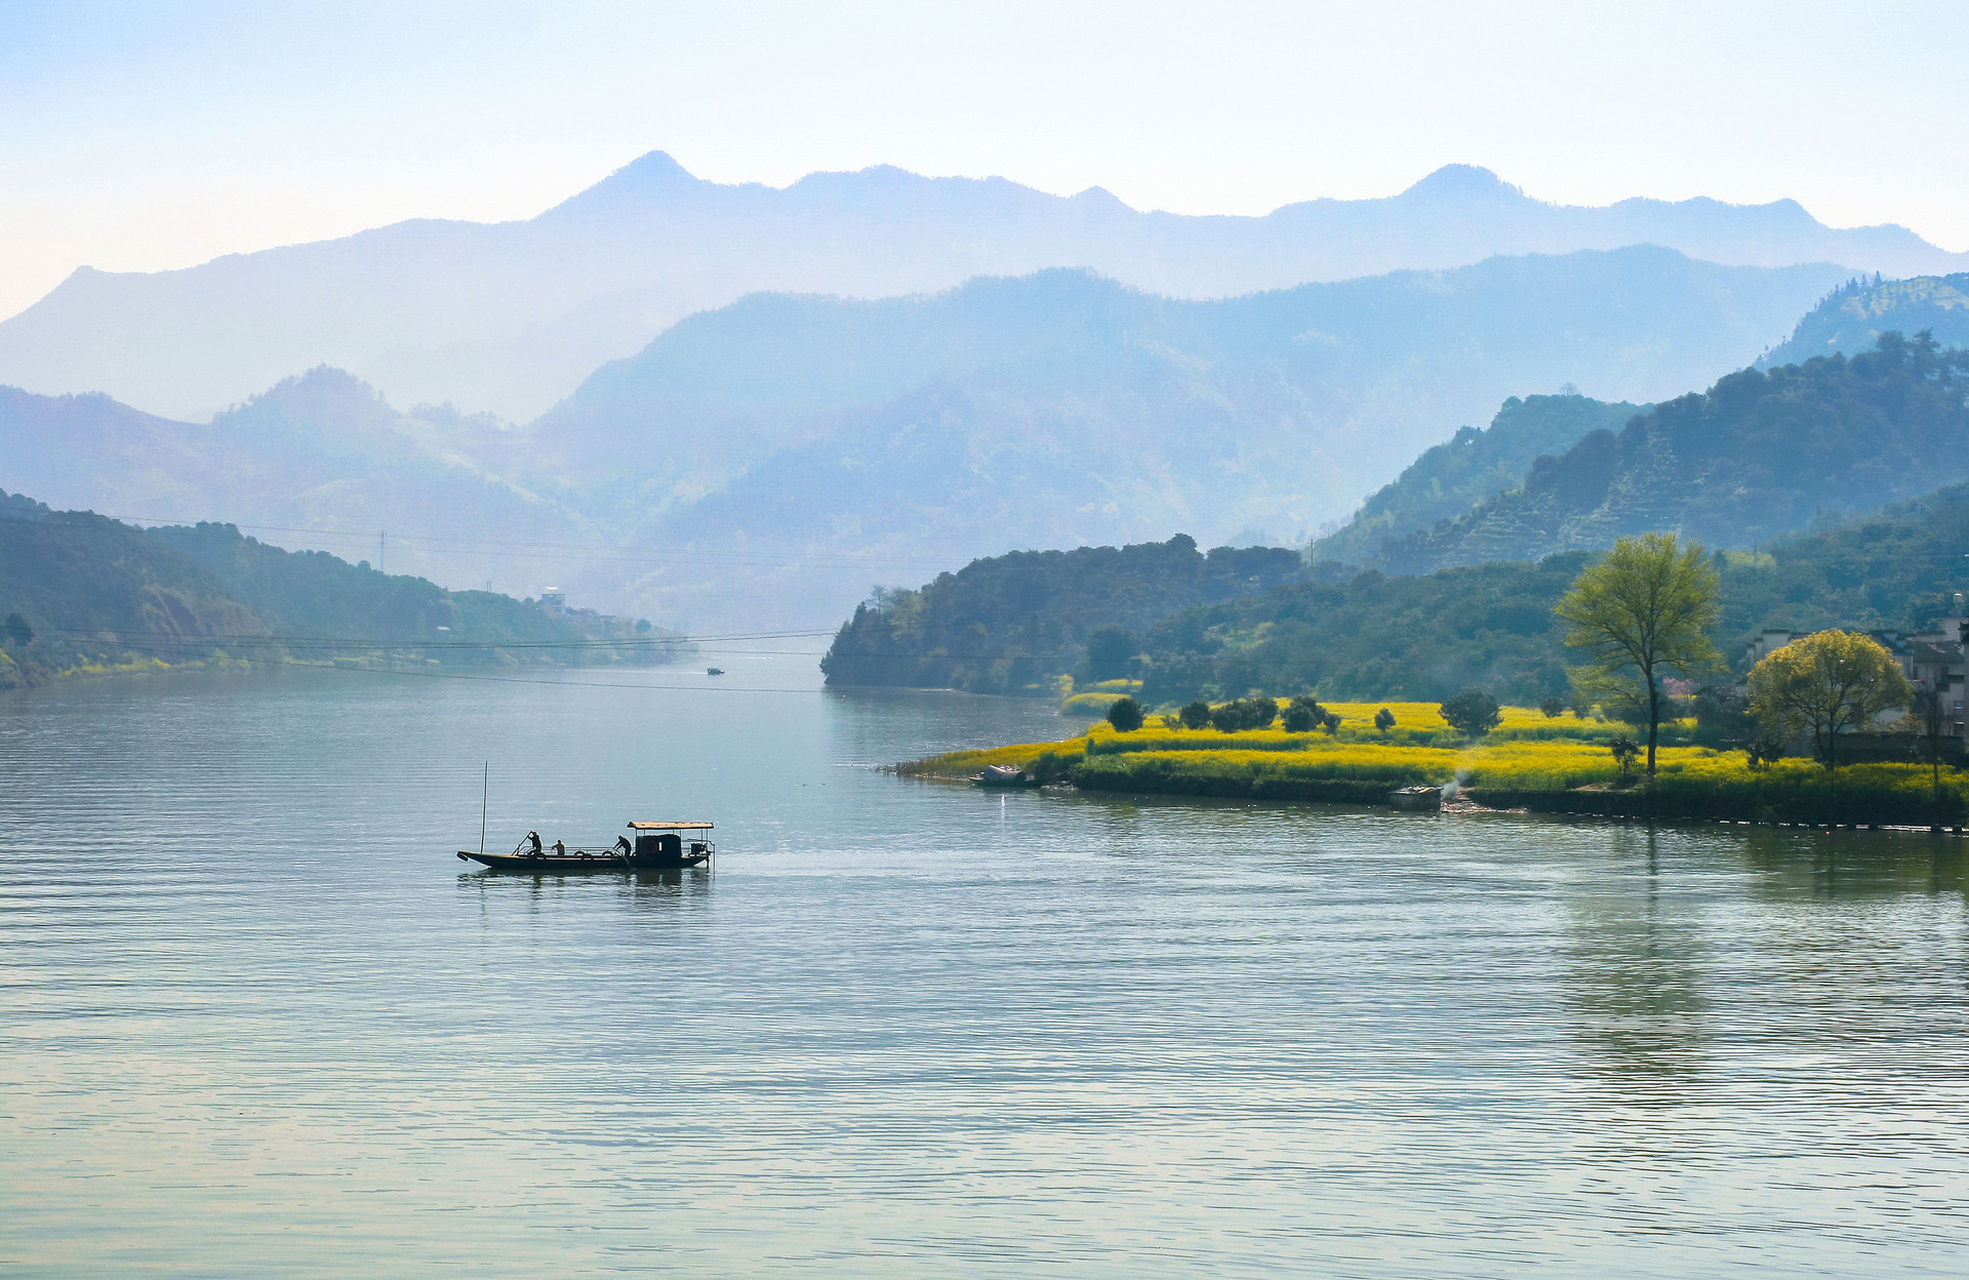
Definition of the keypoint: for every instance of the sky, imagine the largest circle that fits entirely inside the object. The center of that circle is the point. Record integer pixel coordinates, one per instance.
(142, 137)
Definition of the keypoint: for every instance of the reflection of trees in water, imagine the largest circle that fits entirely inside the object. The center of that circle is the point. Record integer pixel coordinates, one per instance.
(1851, 865)
(1634, 985)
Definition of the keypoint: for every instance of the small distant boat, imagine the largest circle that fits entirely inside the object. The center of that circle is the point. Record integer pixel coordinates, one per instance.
(714, 671)
(1004, 775)
(658, 846)
(1426, 799)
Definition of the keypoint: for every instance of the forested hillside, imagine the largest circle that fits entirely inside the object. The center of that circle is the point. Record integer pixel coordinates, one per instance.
(320, 456)
(1491, 625)
(1420, 637)
(1760, 454)
(1012, 623)
(1852, 317)
(83, 592)
(1452, 477)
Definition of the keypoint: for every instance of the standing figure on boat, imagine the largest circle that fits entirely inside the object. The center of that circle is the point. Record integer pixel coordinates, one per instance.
(534, 836)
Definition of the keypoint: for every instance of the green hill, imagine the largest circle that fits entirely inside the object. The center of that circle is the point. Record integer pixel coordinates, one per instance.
(1449, 479)
(1014, 623)
(1425, 637)
(83, 593)
(1760, 454)
(1373, 637)
(1851, 318)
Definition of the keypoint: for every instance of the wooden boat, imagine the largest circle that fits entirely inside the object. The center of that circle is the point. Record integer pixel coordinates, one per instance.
(658, 846)
(1003, 775)
(1426, 799)
(714, 671)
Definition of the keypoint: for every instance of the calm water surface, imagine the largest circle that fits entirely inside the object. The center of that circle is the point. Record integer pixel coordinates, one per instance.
(256, 1019)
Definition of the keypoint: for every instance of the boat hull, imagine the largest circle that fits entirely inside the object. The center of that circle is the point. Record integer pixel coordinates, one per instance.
(1417, 799)
(570, 865)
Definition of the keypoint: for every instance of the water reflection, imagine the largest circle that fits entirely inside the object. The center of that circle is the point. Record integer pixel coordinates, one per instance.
(1851, 866)
(1635, 979)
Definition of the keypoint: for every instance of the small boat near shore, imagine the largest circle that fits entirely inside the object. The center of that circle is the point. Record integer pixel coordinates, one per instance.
(1417, 799)
(658, 846)
(1003, 775)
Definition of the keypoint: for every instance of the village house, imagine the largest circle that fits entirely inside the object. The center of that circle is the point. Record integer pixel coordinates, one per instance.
(1933, 662)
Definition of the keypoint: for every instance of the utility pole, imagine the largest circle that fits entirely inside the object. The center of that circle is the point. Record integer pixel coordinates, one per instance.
(383, 551)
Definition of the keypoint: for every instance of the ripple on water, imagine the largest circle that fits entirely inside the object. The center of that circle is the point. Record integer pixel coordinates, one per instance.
(253, 1018)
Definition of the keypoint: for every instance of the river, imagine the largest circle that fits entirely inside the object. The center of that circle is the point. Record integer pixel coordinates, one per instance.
(257, 1019)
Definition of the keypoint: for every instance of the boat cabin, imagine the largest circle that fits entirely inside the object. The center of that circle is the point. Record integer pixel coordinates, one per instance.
(671, 844)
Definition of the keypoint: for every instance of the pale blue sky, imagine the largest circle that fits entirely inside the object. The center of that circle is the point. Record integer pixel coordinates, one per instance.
(140, 137)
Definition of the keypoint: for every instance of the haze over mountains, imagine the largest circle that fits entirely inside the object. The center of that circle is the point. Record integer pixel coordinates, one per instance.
(787, 451)
(510, 317)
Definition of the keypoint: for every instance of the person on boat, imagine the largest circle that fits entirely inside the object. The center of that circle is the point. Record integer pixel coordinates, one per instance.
(560, 848)
(535, 837)
(622, 843)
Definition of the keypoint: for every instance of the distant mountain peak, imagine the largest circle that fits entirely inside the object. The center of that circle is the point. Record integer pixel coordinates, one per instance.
(1462, 182)
(650, 177)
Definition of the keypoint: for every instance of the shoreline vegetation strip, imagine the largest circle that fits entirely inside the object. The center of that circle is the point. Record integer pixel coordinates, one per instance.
(1540, 770)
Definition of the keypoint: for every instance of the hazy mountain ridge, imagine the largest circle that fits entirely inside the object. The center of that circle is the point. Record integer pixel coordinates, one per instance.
(1057, 409)
(319, 456)
(1760, 454)
(510, 316)
(1111, 416)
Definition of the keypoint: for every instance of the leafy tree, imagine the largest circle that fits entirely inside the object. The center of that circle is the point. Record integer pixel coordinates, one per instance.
(1624, 750)
(17, 630)
(1125, 715)
(1473, 713)
(1552, 707)
(1195, 715)
(1384, 720)
(1108, 652)
(1331, 723)
(1828, 683)
(1244, 713)
(1303, 714)
(1640, 614)
(1763, 751)
(1723, 716)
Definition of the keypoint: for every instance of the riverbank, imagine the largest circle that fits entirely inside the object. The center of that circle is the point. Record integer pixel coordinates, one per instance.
(1545, 765)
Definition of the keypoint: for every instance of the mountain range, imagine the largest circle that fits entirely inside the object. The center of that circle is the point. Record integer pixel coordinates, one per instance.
(774, 457)
(510, 317)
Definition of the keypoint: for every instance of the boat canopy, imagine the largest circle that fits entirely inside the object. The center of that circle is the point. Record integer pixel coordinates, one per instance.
(669, 826)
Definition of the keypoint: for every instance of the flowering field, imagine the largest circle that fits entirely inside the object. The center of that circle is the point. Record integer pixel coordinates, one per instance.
(1526, 771)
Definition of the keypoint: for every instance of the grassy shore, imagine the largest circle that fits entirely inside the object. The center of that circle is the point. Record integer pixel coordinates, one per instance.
(1554, 765)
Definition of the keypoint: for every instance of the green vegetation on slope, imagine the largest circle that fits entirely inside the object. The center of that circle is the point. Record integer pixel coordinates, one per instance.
(1014, 623)
(1852, 317)
(94, 594)
(80, 581)
(322, 597)
(1758, 455)
(1449, 479)
(1421, 637)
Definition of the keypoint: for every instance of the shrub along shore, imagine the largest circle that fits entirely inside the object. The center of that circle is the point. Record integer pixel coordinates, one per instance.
(1545, 765)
